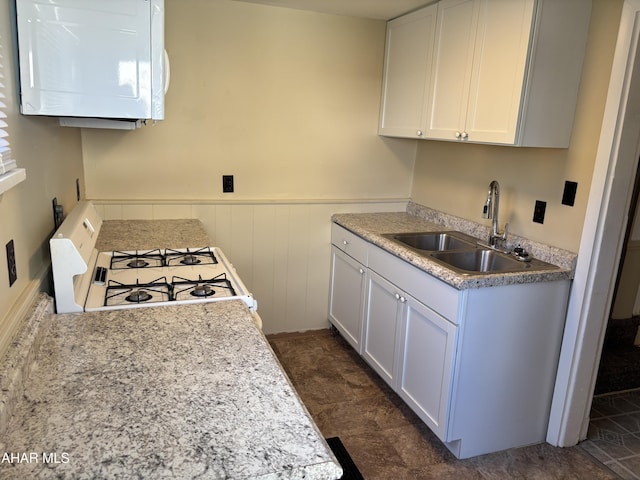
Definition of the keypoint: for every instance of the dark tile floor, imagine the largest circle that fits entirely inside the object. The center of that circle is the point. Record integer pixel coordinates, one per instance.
(385, 439)
(614, 432)
(620, 362)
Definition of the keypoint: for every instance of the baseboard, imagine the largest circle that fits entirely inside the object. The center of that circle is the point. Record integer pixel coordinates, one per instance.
(18, 312)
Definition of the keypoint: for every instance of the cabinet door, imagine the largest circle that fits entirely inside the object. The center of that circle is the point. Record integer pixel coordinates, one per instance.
(479, 68)
(426, 366)
(380, 340)
(498, 74)
(407, 73)
(346, 296)
(452, 63)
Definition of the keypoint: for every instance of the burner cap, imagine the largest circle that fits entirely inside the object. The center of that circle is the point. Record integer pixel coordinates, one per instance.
(202, 291)
(190, 260)
(138, 296)
(137, 263)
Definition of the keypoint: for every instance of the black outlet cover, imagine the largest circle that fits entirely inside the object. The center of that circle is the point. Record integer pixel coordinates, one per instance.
(227, 183)
(569, 194)
(11, 263)
(538, 211)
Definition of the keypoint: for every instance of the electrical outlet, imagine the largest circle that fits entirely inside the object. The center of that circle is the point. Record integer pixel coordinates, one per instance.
(11, 263)
(538, 211)
(569, 194)
(58, 213)
(227, 183)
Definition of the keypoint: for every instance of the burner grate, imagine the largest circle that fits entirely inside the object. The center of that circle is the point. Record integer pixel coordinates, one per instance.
(201, 256)
(145, 259)
(185, 289)
(155, 291)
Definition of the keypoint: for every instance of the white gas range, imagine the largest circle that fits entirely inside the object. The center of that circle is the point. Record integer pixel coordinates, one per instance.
(88, 280)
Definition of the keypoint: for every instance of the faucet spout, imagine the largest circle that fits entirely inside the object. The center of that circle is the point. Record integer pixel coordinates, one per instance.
(491, 210)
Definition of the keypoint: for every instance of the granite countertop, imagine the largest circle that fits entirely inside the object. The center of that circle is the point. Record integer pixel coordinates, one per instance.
(371, 226)
(151, 234)
(190, 391)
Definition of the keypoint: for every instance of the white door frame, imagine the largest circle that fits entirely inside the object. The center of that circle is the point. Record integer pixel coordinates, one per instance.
(602, 239)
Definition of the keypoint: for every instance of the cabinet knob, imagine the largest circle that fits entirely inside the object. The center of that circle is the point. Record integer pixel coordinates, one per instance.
(345, 243)
(361, 271)
(420, 133)
(403, 300)
(458, 135)
(397, 296)
(465, 135)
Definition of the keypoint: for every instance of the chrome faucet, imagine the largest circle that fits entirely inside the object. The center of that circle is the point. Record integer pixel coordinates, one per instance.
(491, 211)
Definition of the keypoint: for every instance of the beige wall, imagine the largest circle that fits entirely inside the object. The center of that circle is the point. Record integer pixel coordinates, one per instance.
(52, 157)
(285, 100)
(454, 178)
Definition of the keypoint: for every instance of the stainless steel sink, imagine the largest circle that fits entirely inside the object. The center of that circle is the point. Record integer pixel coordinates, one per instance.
(462, 253)
(481, 261)
(433, 241)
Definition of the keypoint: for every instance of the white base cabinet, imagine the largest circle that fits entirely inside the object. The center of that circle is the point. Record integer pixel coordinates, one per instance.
(347, 285)
(426, 359)
(477, 366)
(383, 318)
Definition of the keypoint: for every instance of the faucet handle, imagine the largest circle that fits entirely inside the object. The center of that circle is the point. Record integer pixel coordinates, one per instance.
(506, 231)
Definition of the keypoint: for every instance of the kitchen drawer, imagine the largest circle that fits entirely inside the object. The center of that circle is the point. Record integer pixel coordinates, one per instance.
(427, 289)
(350, 243)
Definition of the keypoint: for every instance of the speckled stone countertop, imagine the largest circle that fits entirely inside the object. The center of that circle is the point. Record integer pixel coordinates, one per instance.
(190, 391)
(418, 218)
(151, 234)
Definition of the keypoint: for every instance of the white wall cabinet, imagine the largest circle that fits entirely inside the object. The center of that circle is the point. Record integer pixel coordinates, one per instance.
(478, 71)
(407, 73)
(501, 72)
(477, 366)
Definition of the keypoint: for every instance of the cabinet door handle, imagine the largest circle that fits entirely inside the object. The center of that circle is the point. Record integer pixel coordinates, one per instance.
(397, 296)
(458, 135)
(403, 300)
(465, 135)
(419, 133)
(345, 243)
(361, 271)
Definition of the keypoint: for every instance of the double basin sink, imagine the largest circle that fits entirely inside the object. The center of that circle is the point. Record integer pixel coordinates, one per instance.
(462, 253)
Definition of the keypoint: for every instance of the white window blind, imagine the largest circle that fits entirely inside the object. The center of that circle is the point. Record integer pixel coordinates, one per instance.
(6, 162)
(10, 174)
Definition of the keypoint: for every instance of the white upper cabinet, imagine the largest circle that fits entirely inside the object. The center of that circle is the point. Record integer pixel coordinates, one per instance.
(501, 72)
(407, 73)
(478, 68)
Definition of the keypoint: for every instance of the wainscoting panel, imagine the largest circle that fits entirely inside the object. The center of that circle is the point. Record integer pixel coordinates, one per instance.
(280, 250)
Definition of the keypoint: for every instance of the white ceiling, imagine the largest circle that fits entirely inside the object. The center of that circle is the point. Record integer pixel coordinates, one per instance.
(377, 9)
